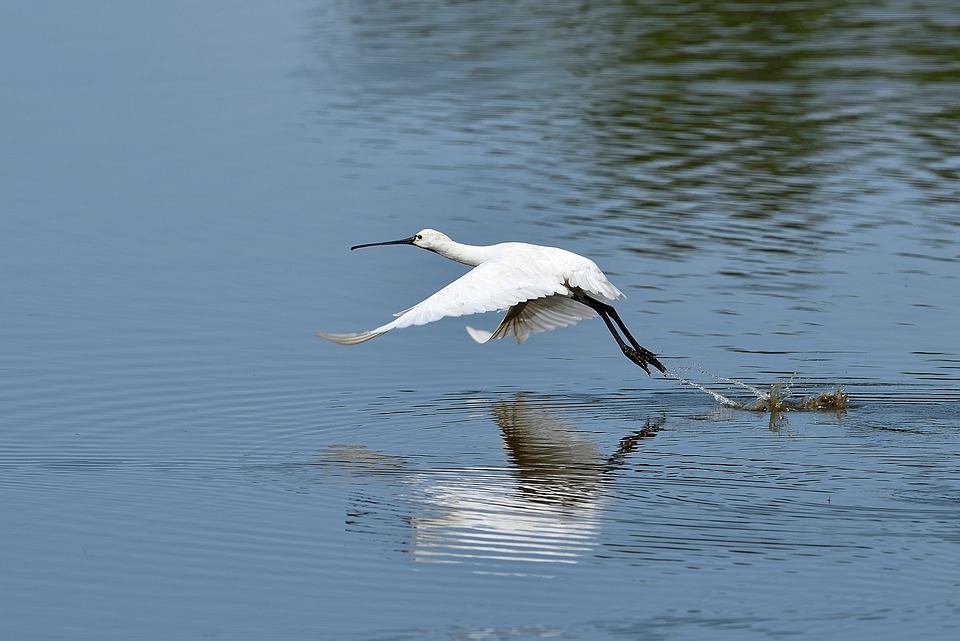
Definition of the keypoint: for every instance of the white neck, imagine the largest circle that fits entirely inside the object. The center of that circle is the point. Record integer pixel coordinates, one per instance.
(471, 255)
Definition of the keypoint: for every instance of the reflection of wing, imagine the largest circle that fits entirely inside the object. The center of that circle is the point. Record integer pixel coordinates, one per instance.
(482, 519)
(491, 286)
(534, 316)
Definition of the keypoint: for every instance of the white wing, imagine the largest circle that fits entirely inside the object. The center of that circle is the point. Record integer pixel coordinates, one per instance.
(534, 316)
(491, 286)
(594, 281)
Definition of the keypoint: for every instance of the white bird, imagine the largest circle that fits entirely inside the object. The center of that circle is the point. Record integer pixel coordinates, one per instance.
(541, 288)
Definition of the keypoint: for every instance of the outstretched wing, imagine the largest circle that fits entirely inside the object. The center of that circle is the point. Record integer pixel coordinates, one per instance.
(491, 286)
(534, 316)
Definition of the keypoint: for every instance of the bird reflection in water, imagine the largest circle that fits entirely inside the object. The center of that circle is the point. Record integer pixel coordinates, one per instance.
(548, 511)
(544, 507)
(555, 464)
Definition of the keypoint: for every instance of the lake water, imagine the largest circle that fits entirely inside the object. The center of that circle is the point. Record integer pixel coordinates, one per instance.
(775, 186)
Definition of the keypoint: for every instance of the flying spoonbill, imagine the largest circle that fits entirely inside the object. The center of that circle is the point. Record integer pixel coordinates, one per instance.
(541, 288)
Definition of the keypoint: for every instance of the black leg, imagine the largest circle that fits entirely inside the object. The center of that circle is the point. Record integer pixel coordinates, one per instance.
(639, 355)
(647, 355)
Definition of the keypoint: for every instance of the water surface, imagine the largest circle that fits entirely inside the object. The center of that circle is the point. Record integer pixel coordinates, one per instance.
(774, 187)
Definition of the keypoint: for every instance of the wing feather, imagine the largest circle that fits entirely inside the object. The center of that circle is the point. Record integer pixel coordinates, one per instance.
(535, 316)
(489, 287)
(592, 280)
(492, 286)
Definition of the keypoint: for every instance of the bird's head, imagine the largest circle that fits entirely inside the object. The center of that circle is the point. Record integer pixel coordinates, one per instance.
(426, 238)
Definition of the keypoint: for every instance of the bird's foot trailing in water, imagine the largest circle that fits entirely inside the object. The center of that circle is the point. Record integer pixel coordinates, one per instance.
(643, 358)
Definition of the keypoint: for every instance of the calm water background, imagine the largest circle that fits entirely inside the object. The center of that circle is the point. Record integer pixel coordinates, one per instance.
(774, 185)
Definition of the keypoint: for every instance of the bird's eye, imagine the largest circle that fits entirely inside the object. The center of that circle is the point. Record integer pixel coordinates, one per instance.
(419, 237)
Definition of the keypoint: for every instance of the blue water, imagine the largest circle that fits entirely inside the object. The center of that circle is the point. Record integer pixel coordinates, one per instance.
(775, 189)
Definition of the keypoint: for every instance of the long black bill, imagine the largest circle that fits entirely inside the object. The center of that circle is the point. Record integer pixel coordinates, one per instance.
(405, 241)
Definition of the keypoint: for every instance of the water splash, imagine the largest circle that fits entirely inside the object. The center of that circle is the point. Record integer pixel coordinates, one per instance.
(720, 398)
(756, 392)
(775, 401)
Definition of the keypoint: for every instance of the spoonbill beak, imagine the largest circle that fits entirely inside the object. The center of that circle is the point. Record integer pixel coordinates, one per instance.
(403, 241)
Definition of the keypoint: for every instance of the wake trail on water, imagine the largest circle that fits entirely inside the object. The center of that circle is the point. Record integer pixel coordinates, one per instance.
(776, 400)
(720, 398)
